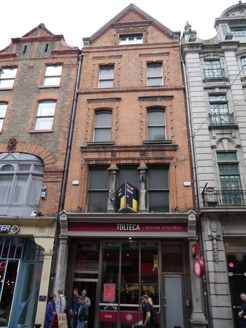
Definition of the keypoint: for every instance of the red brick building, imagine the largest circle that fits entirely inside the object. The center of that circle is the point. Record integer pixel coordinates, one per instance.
(130, 126)
(37, 81)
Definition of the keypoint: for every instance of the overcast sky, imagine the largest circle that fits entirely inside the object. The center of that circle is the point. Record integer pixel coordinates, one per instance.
(76, 19)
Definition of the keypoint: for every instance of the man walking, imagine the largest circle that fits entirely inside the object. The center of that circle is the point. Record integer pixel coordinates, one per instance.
(82, 313)
(242, 314)
(87, 300)
(146, 308)
(62, 302)
(74, 308)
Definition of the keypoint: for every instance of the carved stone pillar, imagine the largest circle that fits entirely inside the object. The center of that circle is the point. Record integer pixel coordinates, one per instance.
(61, 266)
(142, 197)
(197, 317)
(112, 195)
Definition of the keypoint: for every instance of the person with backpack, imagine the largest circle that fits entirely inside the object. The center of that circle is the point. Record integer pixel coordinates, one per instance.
(149, 314)
(62, 302)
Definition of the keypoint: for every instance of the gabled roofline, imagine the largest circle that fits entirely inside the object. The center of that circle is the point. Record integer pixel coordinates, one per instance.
(41, 25)
(131, 6)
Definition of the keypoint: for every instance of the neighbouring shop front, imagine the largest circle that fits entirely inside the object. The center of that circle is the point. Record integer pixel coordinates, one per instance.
(26, 248)
(119, 262)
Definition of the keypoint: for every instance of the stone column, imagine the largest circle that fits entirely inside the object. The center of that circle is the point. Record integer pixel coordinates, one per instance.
(112, 195)
(142, 197)
(61, 265)
(47, 244)
(197, 317)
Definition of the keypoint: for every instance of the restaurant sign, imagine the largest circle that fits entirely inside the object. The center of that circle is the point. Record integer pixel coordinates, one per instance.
(128, 227)
(127, 198)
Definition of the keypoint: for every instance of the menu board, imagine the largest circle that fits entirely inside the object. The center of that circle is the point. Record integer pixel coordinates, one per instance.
(109, 293)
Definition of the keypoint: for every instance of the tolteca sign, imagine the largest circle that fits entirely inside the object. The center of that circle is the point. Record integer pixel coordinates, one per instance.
(128, 227)
(8, 228)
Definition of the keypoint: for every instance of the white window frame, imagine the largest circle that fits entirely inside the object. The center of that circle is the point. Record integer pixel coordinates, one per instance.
(2, 104)
(137, 39)
(243, 64)
(38, 117)
(105, 79)
(154, 77)
(10, 79)
(48, 76)
(97, 114)
(154, 110)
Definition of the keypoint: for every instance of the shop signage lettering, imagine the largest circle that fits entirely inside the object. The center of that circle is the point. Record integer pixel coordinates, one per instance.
(7, 228)
(128, 227)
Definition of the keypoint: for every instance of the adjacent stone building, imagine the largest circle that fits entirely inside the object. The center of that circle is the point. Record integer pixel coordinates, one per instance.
(128, 223)
(215, 71)
(37, 81)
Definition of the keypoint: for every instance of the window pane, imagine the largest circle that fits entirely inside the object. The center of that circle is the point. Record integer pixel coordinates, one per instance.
(6, 168)
(20, 189)
(107, 72)
(103, 119)
(8, 73)
(35, 190)
(159, 201)
(229, 169)
(5, 186)
(53, 70)
(3, 108)
(38, 168)
(130, 274)
(226, 156)
(106, 84)
(139, 39)
(158, 178)
(97, 202)
(44, 123)
(122, 40)
(156, 133)
(6, 83)
(155, 81)
(130, 175)
(51, 81)
(156, 118)
(25, 167)
(46, 108)
(98, 179)
(1, 124)
(130, 40)
(154, 70)
(217, 97)
(102, 135)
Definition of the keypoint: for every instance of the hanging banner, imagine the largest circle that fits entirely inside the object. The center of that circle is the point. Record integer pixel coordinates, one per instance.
(127, 198)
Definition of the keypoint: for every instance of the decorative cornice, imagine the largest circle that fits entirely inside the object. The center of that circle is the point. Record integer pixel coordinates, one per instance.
(33, 39)
(103, 99)
(118, 90)
(126, 148)
(65, 52)
(8, 55)
(133, 23)
(156, 97)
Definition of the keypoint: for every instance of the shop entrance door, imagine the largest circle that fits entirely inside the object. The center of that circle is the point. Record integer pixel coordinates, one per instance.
(90, 288)
(172, 301)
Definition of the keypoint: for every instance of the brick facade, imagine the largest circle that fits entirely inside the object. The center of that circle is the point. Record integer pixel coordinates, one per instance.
(30, 54)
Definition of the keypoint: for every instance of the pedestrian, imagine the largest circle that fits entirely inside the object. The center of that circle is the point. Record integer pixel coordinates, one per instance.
(74, 308)
(87, 300)
(50, 311)
(146, 308)
(242, 314)
(82, 313)
(62, 302)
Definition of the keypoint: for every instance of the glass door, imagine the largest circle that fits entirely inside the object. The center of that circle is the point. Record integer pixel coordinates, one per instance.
(173, 301)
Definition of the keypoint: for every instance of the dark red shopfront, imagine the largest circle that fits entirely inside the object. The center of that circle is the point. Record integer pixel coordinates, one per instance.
(119, 262)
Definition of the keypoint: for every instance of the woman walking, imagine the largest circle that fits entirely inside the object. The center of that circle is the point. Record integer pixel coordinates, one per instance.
(50, 311)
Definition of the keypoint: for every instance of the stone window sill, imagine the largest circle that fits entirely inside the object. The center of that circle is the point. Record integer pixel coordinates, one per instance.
(49, 86)
(100, 143)
(3, 89)
(41, 131)
(148, 142)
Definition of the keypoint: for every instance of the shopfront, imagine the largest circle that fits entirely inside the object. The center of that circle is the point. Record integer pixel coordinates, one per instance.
(119, 262)
(23, 263)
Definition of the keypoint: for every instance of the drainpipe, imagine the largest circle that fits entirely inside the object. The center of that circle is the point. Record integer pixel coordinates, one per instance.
(64, 179)
(195, 182)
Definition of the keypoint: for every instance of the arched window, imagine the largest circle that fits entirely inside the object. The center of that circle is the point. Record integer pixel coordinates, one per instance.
(156, 124)
(21, 177)
(102, 126)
